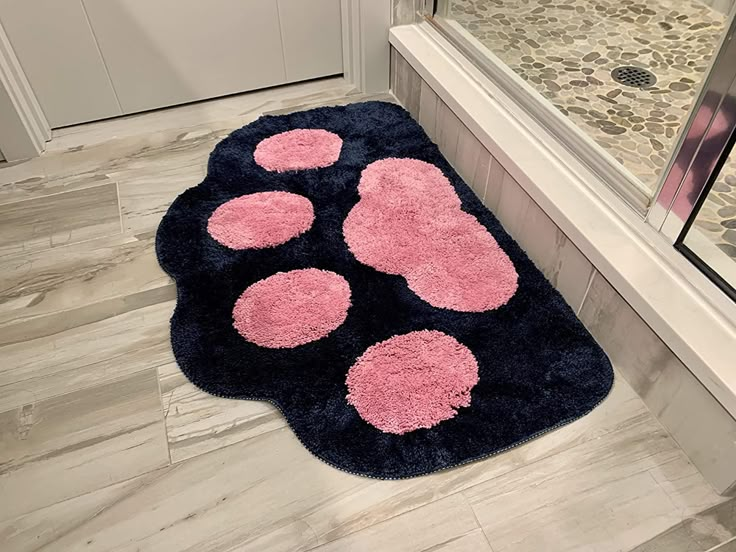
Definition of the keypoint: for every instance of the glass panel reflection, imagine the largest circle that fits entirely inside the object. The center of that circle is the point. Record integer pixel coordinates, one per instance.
(710, 239)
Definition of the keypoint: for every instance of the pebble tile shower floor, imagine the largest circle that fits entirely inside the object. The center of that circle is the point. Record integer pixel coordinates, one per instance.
(566, 50)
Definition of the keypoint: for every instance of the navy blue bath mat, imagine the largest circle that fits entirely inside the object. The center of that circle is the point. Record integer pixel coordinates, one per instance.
(334, 264)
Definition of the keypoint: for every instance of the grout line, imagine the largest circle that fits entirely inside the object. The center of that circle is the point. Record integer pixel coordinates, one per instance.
(593, 272)
(164, 425)
(120, 207)
(435, 118)
(457, 141)
(477, 521)
(487, 180)
(281, 39)
(102, 58)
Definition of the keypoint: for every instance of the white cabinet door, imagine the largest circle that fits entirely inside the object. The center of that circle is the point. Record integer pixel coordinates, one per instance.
(165, 52)
(311, 31)
(57, 50)
(92, 59)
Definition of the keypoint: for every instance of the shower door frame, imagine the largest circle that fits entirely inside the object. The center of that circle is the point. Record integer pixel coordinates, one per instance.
(702, 144)
(713, 152)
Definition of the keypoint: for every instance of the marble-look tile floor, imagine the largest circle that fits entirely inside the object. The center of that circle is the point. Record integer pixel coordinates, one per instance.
(104, 445)
(566, 50)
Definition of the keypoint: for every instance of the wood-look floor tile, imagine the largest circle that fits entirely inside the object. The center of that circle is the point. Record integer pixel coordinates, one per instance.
(145, 197)
(50, 221)
(17, 175)
(28, 180)
(701, 532)
(85, 356)
(47, 292)
(445, 525)
(69, 445)
(269, 493)
(605, 495)
(140, 156)
(197, 422)
(150, 179)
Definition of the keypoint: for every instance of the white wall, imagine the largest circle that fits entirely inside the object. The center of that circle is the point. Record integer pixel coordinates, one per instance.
(92, 59)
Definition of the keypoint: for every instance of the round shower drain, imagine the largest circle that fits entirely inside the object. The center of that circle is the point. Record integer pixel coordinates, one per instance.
(634, 76)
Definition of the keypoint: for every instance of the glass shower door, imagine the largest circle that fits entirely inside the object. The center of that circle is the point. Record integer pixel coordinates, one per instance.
(624, 72)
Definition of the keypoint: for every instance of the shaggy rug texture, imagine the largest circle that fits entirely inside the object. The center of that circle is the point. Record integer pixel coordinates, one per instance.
(334, 264)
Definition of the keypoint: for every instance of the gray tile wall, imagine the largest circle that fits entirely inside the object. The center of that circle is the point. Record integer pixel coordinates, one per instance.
(704, 430)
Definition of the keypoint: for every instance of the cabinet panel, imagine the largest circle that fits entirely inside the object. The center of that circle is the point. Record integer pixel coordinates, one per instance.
(312, 37)
(56, 48)
(165, 52)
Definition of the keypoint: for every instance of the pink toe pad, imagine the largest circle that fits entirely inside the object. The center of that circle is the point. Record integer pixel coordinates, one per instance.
(299, 149)
(259, 220)
(292, 308)
(409, 222)
(412, 381)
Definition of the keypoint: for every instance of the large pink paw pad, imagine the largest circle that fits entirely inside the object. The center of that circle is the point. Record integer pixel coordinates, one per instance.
(299, 149)
(292, 308)
(409, 222)
(412, 381)
(259, 220)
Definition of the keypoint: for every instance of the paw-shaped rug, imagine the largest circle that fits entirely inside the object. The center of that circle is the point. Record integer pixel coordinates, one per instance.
(334, 264)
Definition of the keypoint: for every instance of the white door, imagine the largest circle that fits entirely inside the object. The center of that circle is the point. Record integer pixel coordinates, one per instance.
(101, 58)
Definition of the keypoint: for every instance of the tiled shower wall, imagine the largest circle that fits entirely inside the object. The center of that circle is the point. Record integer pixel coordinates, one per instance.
(702, 427)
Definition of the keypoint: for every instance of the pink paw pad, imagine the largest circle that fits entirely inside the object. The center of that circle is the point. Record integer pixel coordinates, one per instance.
(259, 220)
(412, 381)
(409, 222)
(298, 149)
(292, 308)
